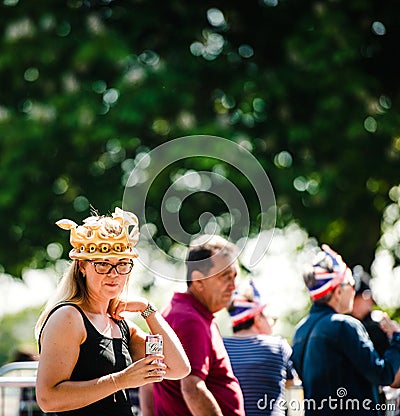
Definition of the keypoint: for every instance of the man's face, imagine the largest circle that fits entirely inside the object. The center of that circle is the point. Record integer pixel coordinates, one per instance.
(363, 304)
(218, 287)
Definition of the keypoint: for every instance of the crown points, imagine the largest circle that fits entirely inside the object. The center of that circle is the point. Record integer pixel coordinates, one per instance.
(66, 224)
(125, 217)
(100, 236)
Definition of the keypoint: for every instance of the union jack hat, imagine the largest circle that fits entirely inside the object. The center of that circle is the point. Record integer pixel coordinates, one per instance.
(328, 278)
(246, 306)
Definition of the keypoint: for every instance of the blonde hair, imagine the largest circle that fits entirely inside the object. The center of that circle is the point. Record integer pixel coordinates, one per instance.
(72, 288)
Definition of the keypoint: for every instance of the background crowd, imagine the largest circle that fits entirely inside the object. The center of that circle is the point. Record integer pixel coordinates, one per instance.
(86, 344)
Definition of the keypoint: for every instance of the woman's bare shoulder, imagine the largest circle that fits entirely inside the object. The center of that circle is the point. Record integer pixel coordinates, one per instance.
(64, 318)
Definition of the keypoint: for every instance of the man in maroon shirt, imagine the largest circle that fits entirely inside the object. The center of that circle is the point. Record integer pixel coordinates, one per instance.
(211, 388)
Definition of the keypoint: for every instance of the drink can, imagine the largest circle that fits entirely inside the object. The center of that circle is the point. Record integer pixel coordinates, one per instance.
(154, 344)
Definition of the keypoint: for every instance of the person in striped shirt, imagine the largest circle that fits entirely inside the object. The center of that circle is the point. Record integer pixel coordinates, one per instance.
(260, 361)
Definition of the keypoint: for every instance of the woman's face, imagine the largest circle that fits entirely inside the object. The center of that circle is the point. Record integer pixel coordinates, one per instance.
(106, 278)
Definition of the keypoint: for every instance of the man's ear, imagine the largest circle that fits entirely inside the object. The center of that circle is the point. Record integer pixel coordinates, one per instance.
(337, 292)
(257, 320)
(197, 279)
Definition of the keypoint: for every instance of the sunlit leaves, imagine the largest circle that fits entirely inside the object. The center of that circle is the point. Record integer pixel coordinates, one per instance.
(88, 88)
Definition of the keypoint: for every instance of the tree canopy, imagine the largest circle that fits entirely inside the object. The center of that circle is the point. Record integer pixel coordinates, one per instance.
(310, 88)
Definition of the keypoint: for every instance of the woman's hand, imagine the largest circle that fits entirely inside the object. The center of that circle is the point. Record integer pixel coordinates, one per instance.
(136, 305)
(150, 369)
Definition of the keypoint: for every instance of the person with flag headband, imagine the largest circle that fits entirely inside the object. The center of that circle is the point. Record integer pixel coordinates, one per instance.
(260, 361)
(332, 352)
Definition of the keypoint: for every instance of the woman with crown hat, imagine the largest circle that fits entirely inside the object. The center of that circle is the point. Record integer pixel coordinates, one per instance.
(89, 354)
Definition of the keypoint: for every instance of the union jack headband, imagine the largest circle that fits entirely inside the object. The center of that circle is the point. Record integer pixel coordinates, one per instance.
(245, 307)
(327, 279)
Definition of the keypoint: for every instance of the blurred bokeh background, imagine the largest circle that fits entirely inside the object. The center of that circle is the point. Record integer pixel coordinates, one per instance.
(310, 88)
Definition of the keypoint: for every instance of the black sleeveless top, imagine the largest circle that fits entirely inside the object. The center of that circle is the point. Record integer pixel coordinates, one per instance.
(99, 356)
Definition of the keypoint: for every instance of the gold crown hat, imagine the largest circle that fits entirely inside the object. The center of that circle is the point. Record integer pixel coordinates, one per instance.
(100, 236)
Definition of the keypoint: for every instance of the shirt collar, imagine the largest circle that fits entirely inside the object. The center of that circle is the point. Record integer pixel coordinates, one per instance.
(188, 297)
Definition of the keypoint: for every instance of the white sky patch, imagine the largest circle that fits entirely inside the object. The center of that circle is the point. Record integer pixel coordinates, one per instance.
(33, 290)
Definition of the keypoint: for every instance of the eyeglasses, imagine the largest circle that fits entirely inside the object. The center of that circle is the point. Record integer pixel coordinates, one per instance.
(103, 267)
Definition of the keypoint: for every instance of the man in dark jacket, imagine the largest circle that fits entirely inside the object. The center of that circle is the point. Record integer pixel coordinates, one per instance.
(364, 303)
(332, 352)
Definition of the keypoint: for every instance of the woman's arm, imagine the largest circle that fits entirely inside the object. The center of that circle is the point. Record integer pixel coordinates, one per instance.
(61, 339)
(60, 344)
(177, 362)
(175, 358)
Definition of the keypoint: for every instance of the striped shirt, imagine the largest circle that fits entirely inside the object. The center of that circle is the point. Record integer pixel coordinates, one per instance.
(262, 365)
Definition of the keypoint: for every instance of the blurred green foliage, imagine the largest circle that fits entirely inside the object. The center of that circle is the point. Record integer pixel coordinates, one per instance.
(16, 330)
(309, 87)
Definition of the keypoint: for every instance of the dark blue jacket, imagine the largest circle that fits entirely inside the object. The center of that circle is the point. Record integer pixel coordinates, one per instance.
(337, 363)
